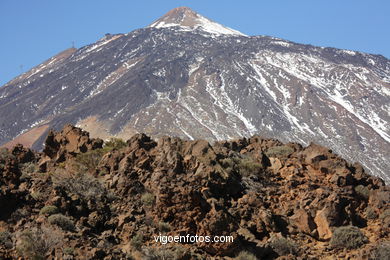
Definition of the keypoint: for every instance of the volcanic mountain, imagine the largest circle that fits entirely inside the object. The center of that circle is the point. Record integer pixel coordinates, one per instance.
(187, 76)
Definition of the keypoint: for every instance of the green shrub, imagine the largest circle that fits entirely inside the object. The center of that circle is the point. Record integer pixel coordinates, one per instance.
(48, 210)
(161, 253)
(37, 195)
(152, 253)
(6, 239)
(20, 213)
(5, 154)
(381, 252)
(279, 151)
(245, 166)
(362, 191)
(349, 237)
(370, 213)
(115, 143)
(147, 199)
(35, 243)
(385, 214)
(283, 246)
(68, 251)
(62, 221)
(164, 227)
(245, 255)
(27, 169)
(137, 241)
(84, 185)
(89, 161)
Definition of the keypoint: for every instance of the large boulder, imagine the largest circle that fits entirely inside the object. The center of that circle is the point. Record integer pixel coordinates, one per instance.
(68, 143)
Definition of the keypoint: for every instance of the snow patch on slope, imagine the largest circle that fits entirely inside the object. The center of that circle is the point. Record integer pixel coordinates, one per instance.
(222, 99)
(332, 86)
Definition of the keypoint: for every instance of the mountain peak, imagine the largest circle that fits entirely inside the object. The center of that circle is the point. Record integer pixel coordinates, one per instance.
(188, 19)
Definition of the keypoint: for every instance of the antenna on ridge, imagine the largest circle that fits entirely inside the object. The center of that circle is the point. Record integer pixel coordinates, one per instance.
(21, 68)
(72, 44)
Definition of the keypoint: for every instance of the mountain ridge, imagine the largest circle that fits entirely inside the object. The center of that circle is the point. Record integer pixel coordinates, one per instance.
(196, 84)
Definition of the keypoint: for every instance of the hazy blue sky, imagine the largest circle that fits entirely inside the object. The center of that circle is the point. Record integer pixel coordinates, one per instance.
(33, 31)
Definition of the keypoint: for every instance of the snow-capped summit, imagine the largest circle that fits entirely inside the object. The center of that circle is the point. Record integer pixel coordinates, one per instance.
(199, 80)
(187, 19)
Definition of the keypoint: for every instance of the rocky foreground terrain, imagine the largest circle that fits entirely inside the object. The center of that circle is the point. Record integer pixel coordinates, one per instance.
(82, 198)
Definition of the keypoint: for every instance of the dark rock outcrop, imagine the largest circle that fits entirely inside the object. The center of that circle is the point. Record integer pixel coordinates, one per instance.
(274, 199)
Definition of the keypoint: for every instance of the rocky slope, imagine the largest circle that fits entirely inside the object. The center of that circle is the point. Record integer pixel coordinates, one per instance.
(187, 76)
(84, 199)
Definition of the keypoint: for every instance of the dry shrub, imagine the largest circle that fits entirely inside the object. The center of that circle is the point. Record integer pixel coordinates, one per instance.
(279, 151)
(349, 237)
(165, 253)
(245, 166)
(36, 242)
(137, 241)
(48, 210)
(147, 199)
(362, 191)
(6, 239)
(381, 251)
(89, 161)
(370, 213)
(82, 184)
(115, 143)
(62, 221)
(283, 246)
(245, 255)
(164, 227)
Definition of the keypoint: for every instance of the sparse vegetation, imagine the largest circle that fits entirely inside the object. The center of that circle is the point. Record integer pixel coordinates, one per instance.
(36, 195)
(165, 253)
(248, 167)
(164, 227)
(152, 253)
(177, 187)
(283, 246)
(6, 239)
(137, 241)
(370, 213)
(35, 243)
(381, 252)
(115, 143)
(244, 166)
(84, 185)
(20, 213)
(385, 214)
(349, 237)
(362, 191)
(279, 151)
(5, 154)
(147, 199)
(48, 210)
(245, 255)
(27, 169)
(62, 221)
(89, 161)
(68, 251)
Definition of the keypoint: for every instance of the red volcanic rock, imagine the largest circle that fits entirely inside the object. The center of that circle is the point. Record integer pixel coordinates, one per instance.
(275, 200)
